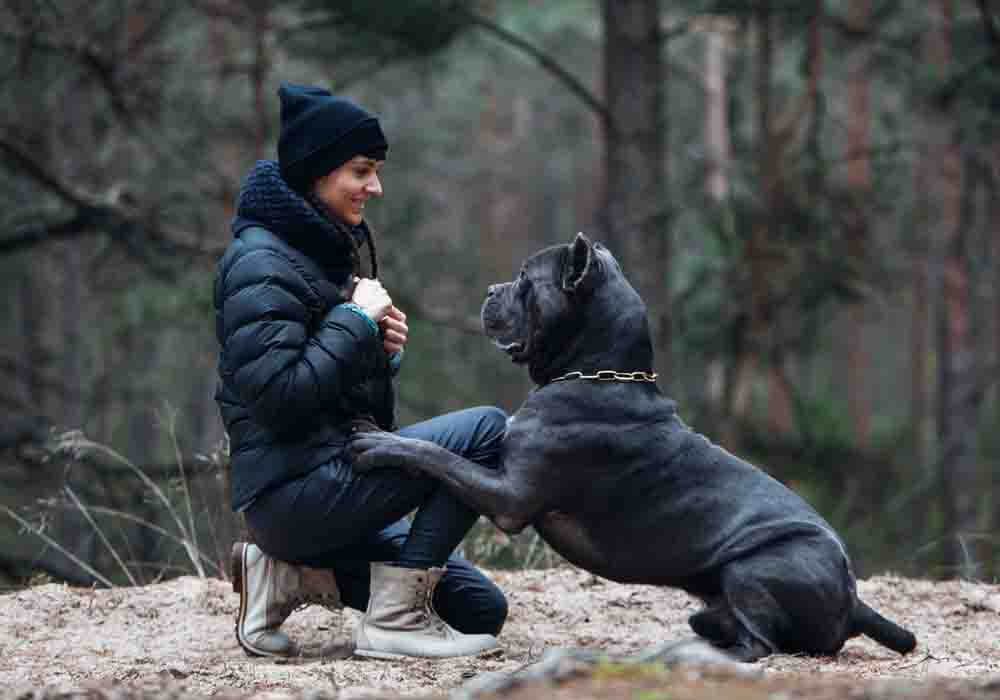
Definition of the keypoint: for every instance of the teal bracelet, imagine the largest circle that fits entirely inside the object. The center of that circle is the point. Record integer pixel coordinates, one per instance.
(351, 306)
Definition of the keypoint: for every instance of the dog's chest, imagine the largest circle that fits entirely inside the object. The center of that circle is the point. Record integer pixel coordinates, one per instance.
(569, 536)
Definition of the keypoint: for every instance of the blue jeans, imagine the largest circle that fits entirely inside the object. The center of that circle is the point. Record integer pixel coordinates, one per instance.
(336, 518)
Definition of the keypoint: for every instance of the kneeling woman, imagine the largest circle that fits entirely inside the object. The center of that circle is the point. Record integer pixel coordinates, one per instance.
(307, 347)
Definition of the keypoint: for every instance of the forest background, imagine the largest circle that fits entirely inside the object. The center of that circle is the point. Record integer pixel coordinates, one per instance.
(804, 191)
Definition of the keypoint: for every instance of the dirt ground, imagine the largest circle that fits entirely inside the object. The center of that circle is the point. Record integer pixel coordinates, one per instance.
(176, 638)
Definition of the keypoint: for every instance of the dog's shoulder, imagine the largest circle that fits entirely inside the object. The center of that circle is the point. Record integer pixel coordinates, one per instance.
(571, 416)
(525, 427)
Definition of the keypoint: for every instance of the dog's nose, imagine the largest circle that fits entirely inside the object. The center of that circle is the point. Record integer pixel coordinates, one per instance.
(492, 289)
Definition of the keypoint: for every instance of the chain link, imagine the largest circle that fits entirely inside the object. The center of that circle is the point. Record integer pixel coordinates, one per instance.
(609, 375)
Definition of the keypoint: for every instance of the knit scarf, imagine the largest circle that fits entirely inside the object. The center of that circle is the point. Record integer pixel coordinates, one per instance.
(267, 199)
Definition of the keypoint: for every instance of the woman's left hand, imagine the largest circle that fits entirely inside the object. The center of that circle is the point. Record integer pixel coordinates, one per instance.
(394, 330)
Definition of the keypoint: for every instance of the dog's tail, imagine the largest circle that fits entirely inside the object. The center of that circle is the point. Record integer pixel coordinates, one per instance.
(885, 632)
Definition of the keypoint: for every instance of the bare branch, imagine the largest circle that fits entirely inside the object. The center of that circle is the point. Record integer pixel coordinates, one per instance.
(113, 214)
(22, 431)
(43, 176)
(21, 567)
(38, 532)
(573, 84)
(37, 234)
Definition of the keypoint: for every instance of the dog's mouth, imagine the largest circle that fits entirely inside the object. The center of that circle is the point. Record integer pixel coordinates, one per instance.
(503, 334)
(516, 349)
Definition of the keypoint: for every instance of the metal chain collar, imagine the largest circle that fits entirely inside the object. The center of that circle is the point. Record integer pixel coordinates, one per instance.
(609, 375)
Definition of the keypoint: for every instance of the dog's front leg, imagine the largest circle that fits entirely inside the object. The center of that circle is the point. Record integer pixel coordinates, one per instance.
(499, 494)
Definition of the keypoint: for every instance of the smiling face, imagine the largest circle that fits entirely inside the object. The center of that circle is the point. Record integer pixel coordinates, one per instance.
(345, 190)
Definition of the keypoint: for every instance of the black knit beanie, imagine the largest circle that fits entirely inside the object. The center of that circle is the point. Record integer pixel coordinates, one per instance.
(320, 132)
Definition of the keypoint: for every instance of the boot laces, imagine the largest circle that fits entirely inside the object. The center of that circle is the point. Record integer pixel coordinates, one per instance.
(429, 615)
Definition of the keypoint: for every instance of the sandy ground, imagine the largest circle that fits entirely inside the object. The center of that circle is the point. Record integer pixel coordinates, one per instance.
(177, 638)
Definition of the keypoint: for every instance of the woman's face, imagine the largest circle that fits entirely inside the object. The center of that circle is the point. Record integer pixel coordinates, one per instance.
(345, 190)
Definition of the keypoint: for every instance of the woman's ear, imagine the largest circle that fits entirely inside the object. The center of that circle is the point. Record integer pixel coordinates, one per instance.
(578, 266)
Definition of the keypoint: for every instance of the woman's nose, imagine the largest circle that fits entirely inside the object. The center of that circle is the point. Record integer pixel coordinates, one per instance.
(374, 186)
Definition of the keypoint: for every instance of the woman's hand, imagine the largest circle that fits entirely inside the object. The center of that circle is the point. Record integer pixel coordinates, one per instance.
(394, 330)
(371, 296)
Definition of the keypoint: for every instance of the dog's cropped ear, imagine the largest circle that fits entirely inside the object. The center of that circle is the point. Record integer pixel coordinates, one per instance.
(579, 265)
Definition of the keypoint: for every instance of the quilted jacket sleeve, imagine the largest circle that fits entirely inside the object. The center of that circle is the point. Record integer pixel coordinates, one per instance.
(285, 370)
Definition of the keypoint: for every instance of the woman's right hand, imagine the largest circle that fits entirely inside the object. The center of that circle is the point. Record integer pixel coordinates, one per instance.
(371, 296)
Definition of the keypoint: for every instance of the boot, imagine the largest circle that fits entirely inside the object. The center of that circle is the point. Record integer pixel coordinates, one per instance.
(271, 590)
(401, 621)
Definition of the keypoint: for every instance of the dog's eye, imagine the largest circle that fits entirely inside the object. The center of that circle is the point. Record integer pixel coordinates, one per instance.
(523, 284)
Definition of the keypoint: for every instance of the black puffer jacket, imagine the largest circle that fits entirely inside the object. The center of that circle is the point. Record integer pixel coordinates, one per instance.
(296, 362)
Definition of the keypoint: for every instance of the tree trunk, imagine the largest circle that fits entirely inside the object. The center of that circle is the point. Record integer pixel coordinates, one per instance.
(859, 182)
(721, 375)
(993, 221)
(73, 133)
(636, 204)
(957, 415)
(71, 308)
(258, 77)
(32, 356)
(717, 140)
(497, 207)
(919, 324)
(588, 181)
(143, 438)
(780, 416)
(958, 407)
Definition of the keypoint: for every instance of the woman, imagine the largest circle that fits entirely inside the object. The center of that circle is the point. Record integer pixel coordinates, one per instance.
(307, 347)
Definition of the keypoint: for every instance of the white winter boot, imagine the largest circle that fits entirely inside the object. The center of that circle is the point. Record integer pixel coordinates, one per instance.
(401, 621)
(271, 590)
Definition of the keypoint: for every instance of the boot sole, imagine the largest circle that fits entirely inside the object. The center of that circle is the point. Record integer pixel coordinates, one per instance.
(237, 563)
(388, 655)
(383, 655)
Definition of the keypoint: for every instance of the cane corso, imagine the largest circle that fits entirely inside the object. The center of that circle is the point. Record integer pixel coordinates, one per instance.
(599, 462)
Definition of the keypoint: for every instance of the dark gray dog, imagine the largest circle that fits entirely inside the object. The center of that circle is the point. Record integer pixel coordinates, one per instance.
(616, 483)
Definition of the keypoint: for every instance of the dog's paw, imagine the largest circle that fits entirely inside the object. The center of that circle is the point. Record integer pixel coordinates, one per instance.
(380, 450)
(367, 452)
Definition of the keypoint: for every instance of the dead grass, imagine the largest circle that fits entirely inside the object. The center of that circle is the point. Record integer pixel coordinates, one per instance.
(177, 638)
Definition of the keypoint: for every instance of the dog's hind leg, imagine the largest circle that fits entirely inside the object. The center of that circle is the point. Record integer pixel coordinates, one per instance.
(723, 629)
(748, 650)
(716, 624)
(794, 596)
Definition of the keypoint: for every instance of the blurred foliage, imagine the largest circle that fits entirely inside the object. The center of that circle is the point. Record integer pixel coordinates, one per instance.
(380, 32)
(130, 124)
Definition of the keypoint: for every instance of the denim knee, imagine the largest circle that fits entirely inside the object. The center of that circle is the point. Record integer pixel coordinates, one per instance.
(496, 614)
(468, 601)
(483, 613)
(490, 427)
(489, 419)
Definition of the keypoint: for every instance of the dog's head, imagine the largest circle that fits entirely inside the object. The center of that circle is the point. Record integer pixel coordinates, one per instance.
(570, 308)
